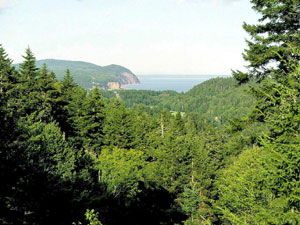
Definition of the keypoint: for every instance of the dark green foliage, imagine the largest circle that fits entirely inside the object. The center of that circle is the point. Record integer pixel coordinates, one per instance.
(30, 99)
(270, 41)
(91, 121)
(68, 104)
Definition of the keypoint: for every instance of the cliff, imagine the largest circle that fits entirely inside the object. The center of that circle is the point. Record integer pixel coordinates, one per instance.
(128, 78)
(113, 85)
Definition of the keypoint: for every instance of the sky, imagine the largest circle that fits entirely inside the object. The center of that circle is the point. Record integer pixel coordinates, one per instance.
(146, 36)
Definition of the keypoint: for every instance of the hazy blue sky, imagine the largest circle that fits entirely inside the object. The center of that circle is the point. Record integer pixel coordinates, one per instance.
(147, 36)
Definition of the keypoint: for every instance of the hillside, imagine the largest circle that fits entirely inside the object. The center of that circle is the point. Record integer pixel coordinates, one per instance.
(217, 99)
(88, 75)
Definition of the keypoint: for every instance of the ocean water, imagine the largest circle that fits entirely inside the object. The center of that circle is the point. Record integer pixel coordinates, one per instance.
(179, 83)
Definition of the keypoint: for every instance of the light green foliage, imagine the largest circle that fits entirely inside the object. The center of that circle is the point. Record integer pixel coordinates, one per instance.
(121, 170)
(171, 156)
(92, 217)
(247, 194)
(191, 200)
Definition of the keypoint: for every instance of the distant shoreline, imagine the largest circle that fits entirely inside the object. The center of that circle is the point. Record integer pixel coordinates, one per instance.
(160, 82)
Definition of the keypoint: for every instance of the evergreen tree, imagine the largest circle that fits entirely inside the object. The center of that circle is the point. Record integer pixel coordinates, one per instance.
(118, 127)
(91, 121)
(262, 186)
(8, 155)
(178, 125)
(48, 87)
(270, 39)
(28, 69)
(8, 76)
(69, 104)
(31, 99)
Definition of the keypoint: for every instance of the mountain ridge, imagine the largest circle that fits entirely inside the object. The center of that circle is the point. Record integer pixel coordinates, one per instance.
(89, 75)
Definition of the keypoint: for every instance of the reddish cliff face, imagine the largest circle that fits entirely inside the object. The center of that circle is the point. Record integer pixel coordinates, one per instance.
(113, 85)
(129, 78)
(124, 78)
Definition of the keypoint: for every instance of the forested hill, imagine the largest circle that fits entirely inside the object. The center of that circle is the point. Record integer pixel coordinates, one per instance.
(88, 75)
(217, 99)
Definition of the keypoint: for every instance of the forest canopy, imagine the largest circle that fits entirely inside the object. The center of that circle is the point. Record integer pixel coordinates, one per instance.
(72, 157)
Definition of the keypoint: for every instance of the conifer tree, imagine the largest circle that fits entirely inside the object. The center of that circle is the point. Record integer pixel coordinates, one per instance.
(44, 164)
(91, 121)
(178, 124)
(263, 185)
(118, 128)
(48, 87)
(278, 27)
(8, 76)
(69, 104)
(31, 99)
(28, 70)
(8, 155)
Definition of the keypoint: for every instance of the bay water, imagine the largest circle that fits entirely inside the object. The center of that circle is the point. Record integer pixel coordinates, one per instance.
(179, 83)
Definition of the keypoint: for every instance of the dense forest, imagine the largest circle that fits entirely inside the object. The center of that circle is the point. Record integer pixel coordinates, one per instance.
(229, 154)
(217, 100)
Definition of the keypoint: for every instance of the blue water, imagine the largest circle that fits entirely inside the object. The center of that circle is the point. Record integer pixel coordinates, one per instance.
(179, 83)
